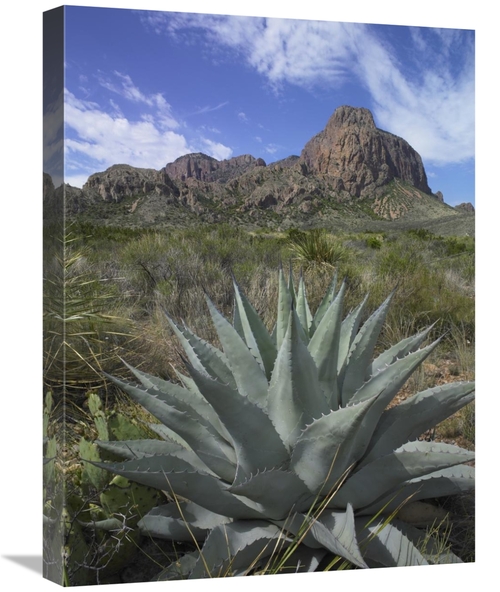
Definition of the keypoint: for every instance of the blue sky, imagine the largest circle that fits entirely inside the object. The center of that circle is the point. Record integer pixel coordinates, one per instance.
(145, 87)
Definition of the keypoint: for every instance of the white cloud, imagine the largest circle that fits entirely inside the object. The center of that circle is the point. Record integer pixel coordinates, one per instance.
(242, 117)
(432, 106)
(77, 180)
(104, 139)
(216, 149)
(53, 140)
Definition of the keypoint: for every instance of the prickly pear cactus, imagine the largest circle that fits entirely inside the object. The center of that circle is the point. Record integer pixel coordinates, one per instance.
(104, 510)
(53, 498)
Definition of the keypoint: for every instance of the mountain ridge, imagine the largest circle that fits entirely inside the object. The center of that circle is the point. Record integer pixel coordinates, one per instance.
(349, 169)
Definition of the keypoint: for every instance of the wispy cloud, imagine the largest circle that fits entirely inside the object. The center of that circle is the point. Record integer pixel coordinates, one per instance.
(123, 85)
(272, 148)
(431, 104)
(208, 109)
(434, 109)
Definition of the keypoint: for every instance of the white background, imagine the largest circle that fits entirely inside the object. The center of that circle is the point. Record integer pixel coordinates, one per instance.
(20, 288)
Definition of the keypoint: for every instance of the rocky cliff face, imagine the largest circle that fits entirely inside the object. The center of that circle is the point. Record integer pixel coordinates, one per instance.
(207, 169)
(122, 180)
(359, 158)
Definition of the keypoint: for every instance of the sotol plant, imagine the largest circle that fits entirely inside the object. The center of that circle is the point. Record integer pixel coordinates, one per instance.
(284, 445)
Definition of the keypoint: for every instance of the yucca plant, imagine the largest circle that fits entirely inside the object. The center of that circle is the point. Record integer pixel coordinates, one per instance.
(316, 247)
(81, 337)
(285, 442)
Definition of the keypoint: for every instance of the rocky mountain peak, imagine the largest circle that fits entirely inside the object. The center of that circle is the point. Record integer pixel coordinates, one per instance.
(361, 159)
(346, 116)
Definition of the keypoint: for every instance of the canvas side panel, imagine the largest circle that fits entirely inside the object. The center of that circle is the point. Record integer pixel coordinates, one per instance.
(53, 296)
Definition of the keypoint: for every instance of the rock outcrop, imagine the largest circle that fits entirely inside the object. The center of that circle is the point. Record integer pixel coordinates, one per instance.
(121, 180)
(204, 168)
(359, 158)
(465, 207)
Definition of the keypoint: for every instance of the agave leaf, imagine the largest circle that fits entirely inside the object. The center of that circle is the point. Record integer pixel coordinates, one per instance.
(235, 546)
(257, 444)
(324, 305)
(415, 415)
(302, 307)
(386, 544)
(451, 481)
(295, 396)
(209, 411)
(348, 331)
(285, 302)
(215, 452)
(168, 435)
(237, 324)
(324, 348)
(361, 352)
(130, 449)
(291, 289)
(334, 531)
(177, 476)
(399, 350)
(202, 355)
(248, 375)
(181, 521)
(387, 383)
(329, 446)
(386, 474)
(144, 448)
(276, 493)
(254, 332)
(191, 397)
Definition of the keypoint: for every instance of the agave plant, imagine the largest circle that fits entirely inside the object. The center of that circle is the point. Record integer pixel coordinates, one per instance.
(284, 444)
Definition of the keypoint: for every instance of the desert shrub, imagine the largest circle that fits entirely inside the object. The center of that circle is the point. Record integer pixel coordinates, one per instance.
(457, 245)
(421, 233)
(316, 247)
(374, 242)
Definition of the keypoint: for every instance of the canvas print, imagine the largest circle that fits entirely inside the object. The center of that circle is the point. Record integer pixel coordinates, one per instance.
(259, 295)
